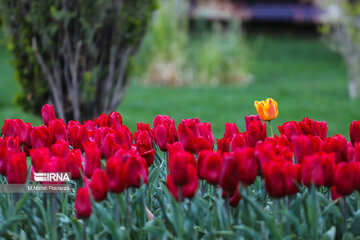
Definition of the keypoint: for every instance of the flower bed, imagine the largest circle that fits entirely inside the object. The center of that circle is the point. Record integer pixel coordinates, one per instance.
(299, 184)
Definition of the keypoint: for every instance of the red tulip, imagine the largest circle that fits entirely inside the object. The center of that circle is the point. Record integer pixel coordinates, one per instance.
(17, 128)
(99, 185)
(338, 145)
(206, 132)
(17, 168)
(39, 137)
(78, 136)
(230, 130)
(305, 145)
(320, 128)
(99, 137)
(5, 153)
(292, 176)
(356, 166)
(223, 145)
(53, 164)
(47, 113)
(60, 148)
(165, 131)
(102, 120)
(290, 129)
(265, 152)
(355, 132)
(115, 120)
(12, 143)
(202, 144)
(57, 131)
(209, 166)
(144, 127)
(318, 169)
(115, 175)
(174, 148)
(188, 131)
(345, 178)
(108, 146)
(238, 141)
(189, 189)
(74, 163)
(39, 157)
(247, 165)
(135, 170)
(256, 132)
(123, 137)
(144, 147)
(82, 203)
(229, 177)
(178, 167)
(275, 183)
(249, 119)
(92, 158)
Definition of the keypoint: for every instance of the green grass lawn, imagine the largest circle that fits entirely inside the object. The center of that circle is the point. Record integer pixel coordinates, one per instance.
(300, 73)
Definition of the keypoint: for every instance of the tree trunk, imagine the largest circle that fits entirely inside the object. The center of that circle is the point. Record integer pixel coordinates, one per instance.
(353, 72)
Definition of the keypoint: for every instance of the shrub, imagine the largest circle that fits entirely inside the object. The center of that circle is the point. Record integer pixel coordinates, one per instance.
(74, 54)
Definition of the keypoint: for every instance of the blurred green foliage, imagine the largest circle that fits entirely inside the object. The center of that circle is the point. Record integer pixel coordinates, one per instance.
(170, 56)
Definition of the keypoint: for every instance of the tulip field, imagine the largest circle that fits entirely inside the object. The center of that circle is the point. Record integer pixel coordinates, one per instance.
(175, 181)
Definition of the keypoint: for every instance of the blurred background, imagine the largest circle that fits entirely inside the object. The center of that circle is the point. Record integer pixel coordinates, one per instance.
(211, 59)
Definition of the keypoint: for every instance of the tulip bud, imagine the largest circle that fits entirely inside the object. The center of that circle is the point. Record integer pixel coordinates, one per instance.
(230, 130)
(209, 166)
(92, 158)
(338, 145)
(82, 203)
(256, 132)
(17, 168)
(247, 165)
(355, 132)
(47, 113)
(102, 120)
(290, 129)
(249, 119)
(115, 120)
(165, 131)
(135, 171)
(274, 179)
(57, 131)
(345, 178)
(99, 185)
(39, 137)
(115, 174)
(74, 163)
(189, 189)
(229, 177)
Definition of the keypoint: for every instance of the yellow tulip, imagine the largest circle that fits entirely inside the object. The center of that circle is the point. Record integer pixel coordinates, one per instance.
(267, 110)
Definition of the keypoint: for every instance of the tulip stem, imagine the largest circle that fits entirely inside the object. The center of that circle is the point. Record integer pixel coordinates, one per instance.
(53, 213)
(45, 200)
(227, 208)
(202, 188)
(127, 208)
(271, 129)
(84, 228)
(345, 213)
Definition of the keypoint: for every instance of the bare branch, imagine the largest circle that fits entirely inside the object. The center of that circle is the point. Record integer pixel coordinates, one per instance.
(58, 101)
